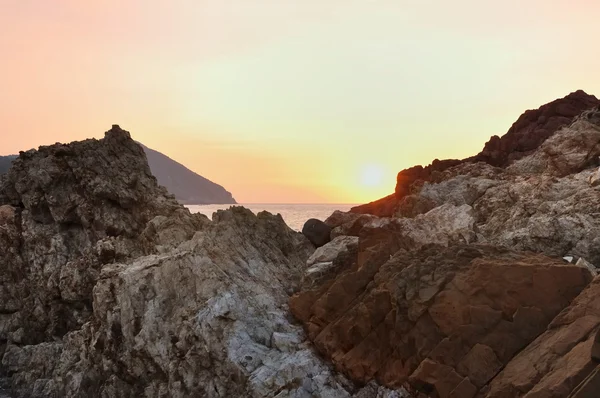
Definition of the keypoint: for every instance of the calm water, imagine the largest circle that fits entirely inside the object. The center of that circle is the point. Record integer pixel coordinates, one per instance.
(295, 215)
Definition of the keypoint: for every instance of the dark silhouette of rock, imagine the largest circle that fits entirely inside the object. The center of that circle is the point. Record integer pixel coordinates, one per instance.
(187, 186)
(317, 232)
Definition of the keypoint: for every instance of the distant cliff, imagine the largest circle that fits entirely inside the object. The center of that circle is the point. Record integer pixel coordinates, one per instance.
(5, 162)
(187, 186)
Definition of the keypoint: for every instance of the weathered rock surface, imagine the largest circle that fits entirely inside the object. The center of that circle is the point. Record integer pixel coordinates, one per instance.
(559, 359)
(533, 127)
(443, 318)
(459, 287)
(110, 288)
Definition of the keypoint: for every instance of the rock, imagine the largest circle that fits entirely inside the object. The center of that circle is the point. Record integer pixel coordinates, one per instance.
(354, 226)
(542, 202)
(596, 348)
(61, 201)
(583, 263)
(110, 288)
(384, 207)
(589, 387)
(442, 318)
(562, 354)
(533, 127)
(317, 232)
(594, 179)
(339, 218)
(332, 250)
(570, 150)
(525, 136)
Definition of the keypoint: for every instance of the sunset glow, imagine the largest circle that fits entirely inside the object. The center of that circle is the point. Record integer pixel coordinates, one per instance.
(372, 175)
(286, 101)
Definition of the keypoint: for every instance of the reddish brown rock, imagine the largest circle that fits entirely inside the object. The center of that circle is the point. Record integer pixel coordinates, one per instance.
(447, 319)
(559, 359)
(590, 387)
(533, 127)
(384, 207)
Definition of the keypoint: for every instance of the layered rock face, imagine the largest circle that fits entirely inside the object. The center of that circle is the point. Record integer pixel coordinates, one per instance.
(464, 292)
(110, 288)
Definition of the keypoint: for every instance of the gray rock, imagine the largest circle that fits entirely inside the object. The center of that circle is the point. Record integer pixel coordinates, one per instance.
(110, 288)
(332, 250)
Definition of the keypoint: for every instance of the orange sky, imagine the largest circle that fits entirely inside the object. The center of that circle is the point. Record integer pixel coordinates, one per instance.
(285, 101)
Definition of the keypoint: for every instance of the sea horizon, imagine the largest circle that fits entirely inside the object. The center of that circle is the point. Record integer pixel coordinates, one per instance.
(294, 214)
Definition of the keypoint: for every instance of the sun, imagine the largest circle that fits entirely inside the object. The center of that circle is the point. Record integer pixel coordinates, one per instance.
(372, 175)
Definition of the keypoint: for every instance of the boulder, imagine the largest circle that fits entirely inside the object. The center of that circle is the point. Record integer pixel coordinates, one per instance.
(317, 232)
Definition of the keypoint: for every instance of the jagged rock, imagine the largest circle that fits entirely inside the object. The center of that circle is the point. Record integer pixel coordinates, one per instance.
(110, 288)
(354, 226)
(533, 127)
(332, 250)
(339, 218)
(317, 232)
(63, 199)
(562, 354)
(542, 202)
(446, 319)
(384, 207)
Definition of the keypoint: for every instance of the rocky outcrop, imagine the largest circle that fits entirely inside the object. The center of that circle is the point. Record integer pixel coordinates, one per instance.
(67, 209)
(110, 288)
(443, 319)
(464, 291)
(562, 354)
(525, 136)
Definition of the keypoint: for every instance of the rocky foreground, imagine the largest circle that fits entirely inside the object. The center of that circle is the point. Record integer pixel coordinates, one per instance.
(110, 288)
(480, 279)
(477, 278)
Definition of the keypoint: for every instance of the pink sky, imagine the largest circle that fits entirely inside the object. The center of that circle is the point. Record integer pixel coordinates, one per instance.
(288, 101)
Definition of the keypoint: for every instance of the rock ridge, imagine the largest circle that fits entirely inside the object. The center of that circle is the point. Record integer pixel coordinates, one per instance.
(480, 281)
(110, 288)
(529, 132)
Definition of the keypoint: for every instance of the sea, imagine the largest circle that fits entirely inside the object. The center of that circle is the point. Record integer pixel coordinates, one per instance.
(294, 215)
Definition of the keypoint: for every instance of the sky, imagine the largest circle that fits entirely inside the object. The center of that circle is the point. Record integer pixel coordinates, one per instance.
(287, 101)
